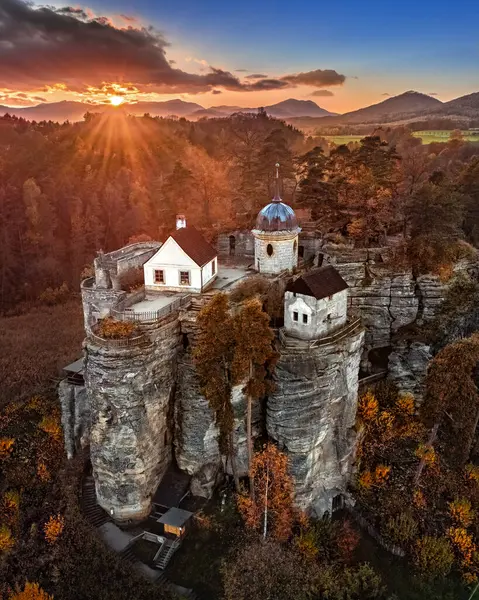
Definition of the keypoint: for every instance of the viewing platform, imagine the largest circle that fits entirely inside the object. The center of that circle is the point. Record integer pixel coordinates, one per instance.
(288, 342)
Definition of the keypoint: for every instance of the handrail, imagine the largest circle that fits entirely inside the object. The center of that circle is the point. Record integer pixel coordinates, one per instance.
(128, 314)
(139, 340)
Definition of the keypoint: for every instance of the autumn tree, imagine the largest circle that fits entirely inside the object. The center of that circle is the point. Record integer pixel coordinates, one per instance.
(31, 591)
(213, 356)
(270, 507)
(252, 358)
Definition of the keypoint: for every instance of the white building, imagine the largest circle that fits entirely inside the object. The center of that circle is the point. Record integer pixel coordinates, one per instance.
(276, 236)
(185, 262)
(315, 304)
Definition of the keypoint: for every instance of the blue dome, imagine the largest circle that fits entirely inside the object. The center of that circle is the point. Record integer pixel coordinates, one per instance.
(276, 216)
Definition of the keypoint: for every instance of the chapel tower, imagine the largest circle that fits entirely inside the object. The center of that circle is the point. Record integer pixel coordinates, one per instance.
(276, 236)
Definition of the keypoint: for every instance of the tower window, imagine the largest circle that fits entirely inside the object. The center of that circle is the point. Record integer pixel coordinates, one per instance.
(159, 276)
(305, 318)
(295, 316)
(269, 250)
(232, 241)
(184, 278)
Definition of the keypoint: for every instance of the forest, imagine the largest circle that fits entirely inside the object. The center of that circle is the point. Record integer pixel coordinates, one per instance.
(67, 191)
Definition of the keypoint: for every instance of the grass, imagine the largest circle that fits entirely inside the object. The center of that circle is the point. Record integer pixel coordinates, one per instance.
(442, 135)
(343, 139)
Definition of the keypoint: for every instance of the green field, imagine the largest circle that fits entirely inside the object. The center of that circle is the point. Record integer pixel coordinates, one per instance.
(343, 139)
(442, 135)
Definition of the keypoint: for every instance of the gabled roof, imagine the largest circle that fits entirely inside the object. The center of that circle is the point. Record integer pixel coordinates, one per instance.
(320, 283)
(194, 244)
(176, 517)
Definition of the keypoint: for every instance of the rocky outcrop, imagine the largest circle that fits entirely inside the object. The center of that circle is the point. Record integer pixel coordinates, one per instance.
(130, 391)
(311, 415)
(407, 367)
(75, 416)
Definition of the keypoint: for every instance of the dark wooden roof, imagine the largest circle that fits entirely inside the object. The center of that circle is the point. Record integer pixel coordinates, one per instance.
(319, 283)
(194, 244)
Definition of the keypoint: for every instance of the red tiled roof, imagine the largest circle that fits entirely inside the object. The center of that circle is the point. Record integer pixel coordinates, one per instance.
(320, 283)
(194, 244)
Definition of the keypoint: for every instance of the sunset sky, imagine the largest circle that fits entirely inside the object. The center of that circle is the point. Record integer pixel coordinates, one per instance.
(343, 55)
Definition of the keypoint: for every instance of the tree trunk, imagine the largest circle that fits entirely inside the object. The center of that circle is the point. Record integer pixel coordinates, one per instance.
(249, 434)
(422, 463)
(234, 466)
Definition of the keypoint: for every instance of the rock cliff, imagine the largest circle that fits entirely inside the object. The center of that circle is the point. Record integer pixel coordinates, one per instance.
(130, 392)
(311, 415)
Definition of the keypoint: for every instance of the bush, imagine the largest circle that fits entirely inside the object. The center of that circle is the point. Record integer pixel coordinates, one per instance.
(111, 329)
(401, 529)
(433, 557)
(253, 286)
(132, 279)
(52, 296)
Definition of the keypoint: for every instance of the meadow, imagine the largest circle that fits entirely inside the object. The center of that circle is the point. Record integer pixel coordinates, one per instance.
(427, 136)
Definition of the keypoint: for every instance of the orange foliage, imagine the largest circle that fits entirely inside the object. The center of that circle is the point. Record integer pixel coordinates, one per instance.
(11, 505)
(273, 488)
(427, 453)
(367, 407)
(6, 447)
(53, 528)
(461, 512)
(43, 472)
(31, 591)
(405, 405)
(472, 472)
(462, 541)
(51, 425)
(418, 499)
(6, 539)
(381, 474)
(365, 480)
(114, 330)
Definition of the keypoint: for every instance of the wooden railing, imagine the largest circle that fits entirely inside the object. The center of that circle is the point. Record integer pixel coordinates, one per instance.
(139, 340)
(151, 316)
(291, 343)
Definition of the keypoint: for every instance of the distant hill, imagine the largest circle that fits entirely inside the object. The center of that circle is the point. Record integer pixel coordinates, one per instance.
(465, 106)
(286, 109)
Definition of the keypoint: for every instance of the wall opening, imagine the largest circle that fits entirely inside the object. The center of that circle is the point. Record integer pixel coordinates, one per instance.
(232, 241)
(269, 250)
(300, 251)
(338, 503)
(186, 341)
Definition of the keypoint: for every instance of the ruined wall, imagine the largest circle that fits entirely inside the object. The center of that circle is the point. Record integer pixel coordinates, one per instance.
(311, 415)
(75, 416)
(130, 392)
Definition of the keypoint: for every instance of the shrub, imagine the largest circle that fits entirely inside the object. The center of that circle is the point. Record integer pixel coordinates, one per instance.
(253, 286)
(401, 529)
(463, 542)
(405, 405)
(111, 329)
(50, 424)
(6, 539)
(31, 591)
(6, 447)
(52, 296)
(433, 556)
(461, 512)
(367, 407)
(53, 528)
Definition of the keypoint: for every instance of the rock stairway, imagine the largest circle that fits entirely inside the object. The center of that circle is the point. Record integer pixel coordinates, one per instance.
(94, 513)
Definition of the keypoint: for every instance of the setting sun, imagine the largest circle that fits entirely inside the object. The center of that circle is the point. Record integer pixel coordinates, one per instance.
(116, 100)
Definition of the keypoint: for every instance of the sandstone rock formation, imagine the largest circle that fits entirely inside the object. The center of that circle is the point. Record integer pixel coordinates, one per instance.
(311, 415)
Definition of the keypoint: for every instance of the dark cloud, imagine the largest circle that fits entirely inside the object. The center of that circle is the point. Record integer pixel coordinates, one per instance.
(385, 94)
(216, 92)
(241, 70)
(316, 78)
(322, 93)
(41, 47)
(433, 94)
(256, 76)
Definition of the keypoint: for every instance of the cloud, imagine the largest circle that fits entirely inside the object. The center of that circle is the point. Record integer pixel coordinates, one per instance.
(433, 94)
(19, 98)
(385, 94)
(256, 76)
(216, 92)
(241, 70)
(47, 47)
(322, 93)
(316, 78)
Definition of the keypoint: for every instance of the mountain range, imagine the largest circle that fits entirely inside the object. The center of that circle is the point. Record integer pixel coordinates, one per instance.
(407, 106)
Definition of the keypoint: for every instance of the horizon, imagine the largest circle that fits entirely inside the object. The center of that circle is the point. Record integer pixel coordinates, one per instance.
(100, 50)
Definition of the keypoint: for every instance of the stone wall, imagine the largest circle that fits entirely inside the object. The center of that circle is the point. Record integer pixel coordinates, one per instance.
(235, 243)
(130, 392)
(284, 256)
(75, 416)
(311, 415)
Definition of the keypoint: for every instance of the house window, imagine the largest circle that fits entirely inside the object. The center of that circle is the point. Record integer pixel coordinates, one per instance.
(269, 250)
(305, 318)
(184, 278)
(295, 316)
(213, 267)
(159, 276)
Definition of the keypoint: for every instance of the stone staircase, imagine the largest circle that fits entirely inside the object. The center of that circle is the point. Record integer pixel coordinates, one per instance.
(93, 512)
(166, 553)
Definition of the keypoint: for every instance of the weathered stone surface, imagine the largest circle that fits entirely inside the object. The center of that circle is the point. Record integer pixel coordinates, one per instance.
(130, 391)
(311, 415)
(407, 367)
(75, 416)
(431, 293)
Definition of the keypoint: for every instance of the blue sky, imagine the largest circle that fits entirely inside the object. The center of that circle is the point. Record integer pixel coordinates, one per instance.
(382, 47)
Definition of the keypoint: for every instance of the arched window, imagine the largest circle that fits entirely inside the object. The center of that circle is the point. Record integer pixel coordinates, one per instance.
(232, 245)
(269, 250)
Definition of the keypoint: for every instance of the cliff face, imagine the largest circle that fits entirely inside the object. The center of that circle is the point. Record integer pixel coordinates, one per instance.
(130, 391)
(311, 415)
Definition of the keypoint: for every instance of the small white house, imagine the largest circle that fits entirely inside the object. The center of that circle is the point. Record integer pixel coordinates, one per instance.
(185, 262)
(315, 304)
